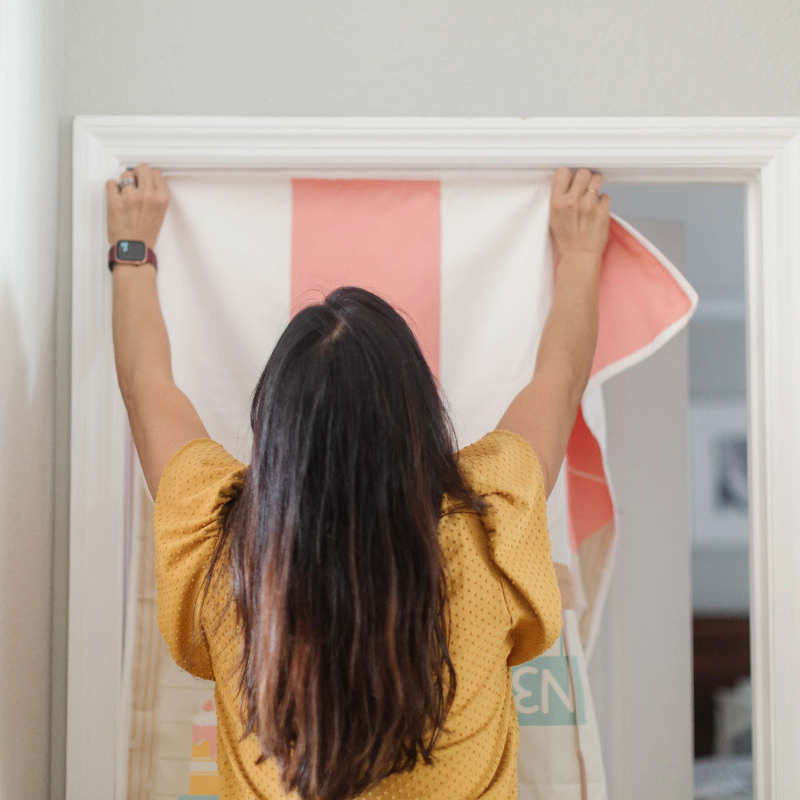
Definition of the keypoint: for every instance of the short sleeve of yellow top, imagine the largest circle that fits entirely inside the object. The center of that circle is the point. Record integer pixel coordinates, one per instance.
(504, 604)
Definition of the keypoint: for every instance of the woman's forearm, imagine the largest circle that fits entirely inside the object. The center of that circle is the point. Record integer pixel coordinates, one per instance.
(161, 417)
(141, 344)
(544, 412)
(566, 349)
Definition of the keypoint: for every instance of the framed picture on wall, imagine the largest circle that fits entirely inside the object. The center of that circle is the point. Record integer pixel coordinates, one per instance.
(719, 474)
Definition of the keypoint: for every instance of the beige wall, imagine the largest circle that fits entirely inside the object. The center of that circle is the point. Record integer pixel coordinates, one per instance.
(387, 57)
(432, 57)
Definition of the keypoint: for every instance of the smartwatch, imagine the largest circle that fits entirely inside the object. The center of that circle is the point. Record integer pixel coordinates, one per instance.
(129, 251)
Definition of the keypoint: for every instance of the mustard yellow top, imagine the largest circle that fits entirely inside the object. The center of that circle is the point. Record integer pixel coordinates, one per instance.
(504, 604)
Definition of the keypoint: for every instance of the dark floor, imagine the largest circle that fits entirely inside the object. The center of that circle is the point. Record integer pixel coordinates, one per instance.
(721, 658)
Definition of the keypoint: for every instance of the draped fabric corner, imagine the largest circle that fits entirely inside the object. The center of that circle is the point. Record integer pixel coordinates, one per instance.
(467, 258)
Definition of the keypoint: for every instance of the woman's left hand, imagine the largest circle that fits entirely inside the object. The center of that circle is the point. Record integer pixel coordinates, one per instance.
(136, 211)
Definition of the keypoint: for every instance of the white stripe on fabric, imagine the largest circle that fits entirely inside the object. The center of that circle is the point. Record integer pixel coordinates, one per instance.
(496, 290)
(225, 253)
(497, 287)
(558, 520)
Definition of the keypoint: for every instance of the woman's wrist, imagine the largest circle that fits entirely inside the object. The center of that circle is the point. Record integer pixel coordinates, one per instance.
(127, 271)
(579, 271)
(581, 259)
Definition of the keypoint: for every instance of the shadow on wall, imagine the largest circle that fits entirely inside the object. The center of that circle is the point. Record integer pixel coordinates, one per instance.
(26, 502)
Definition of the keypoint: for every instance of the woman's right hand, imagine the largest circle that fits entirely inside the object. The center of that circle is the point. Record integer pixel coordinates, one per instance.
(579, 214)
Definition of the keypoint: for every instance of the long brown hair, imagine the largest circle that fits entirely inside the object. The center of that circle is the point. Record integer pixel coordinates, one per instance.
(333, 551)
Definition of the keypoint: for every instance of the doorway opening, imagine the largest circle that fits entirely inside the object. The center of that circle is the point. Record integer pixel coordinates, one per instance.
(671, 675)
(761, 153)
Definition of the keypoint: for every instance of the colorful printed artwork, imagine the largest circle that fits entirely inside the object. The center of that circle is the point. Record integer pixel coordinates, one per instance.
(204, 778)
(172, 740)
(547, 689)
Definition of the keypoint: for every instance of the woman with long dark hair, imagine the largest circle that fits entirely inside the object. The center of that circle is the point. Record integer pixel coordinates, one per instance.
(360, 591)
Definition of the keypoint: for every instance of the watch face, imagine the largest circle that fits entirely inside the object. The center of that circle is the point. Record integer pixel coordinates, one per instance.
(128, 250)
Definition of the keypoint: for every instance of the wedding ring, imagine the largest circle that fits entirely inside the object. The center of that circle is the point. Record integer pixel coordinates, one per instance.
(126, 181)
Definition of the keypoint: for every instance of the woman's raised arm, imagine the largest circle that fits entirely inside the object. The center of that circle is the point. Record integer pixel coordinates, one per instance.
(544, 412)
(162, 418)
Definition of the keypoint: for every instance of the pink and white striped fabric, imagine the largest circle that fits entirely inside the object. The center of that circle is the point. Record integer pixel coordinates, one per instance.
(467, 257)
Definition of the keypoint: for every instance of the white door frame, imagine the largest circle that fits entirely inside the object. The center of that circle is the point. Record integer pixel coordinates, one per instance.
(763, 153)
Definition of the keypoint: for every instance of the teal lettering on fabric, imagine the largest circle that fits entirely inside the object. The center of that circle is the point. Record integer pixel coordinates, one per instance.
(543, 693)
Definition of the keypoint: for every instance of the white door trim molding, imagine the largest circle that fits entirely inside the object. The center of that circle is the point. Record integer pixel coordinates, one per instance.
(763, 153)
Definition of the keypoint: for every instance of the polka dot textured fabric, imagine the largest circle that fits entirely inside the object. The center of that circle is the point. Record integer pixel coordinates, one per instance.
(505, 609)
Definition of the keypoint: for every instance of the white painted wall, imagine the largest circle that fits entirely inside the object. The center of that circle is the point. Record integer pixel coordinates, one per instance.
(397, 57)
(29, 83)
(432, 57)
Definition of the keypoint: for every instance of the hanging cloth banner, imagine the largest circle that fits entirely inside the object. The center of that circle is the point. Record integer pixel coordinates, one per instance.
(467, 258)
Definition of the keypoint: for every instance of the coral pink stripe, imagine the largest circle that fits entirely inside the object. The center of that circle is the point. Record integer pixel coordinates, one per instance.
(588, 498)
(381, 235)
(638, 298)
